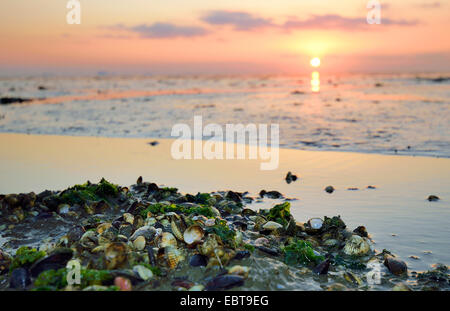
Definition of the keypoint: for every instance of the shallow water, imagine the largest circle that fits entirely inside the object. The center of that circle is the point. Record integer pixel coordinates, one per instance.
(404, 115)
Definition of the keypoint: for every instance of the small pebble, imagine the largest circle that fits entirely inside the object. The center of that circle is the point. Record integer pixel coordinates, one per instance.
(329, 189)
(433, 198)
(290, 177)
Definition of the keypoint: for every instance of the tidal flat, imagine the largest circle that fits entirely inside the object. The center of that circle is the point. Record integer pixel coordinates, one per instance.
(253, 236)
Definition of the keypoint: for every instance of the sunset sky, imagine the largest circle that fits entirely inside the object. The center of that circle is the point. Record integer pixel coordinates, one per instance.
(232, 36)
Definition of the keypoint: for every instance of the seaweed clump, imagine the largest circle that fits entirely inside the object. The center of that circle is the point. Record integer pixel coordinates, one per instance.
(79, 194)
(439, 275)
(301, 252)
(226, 234)
(25, 257)
(280, 213)
(57, 279)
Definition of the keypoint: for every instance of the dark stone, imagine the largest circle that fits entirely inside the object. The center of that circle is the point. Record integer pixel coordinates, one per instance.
(153, 143)
(361, 231)
(290, 177)
(329, 189)
(13, 100)
(433, 198)
(52, 202)
(241, 225)
(395, 266)
(270, 194)
(234, 196)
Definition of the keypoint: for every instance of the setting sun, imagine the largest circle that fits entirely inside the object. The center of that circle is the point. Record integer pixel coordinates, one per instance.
(315, 62)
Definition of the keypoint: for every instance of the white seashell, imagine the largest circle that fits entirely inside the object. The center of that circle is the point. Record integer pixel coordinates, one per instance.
(239, 270)
(143, 272)
(128, 218)
(272, 225)
(150, 221)
(193, 234)
(210, 222)
(196, 288)
(315, 223)
(167, 239)
(139, 243)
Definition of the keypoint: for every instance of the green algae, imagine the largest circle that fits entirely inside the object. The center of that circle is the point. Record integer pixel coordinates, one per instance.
(352, 262)
(249, 247)
(86, 192)
(160, 208)
(57, 279)
(333, 222)
(280, 213)
(300, 252)
(226, 234)
(25, 257)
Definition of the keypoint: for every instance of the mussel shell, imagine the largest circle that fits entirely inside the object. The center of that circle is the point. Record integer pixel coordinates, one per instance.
(226, 281)
(241, 255)
(248, 212)
(56, 260)
(147, 232)
(198, 260)
(361, 231)
(352, 278)
(322, 268)
(20, 278)
(89, 239)
(126, 229)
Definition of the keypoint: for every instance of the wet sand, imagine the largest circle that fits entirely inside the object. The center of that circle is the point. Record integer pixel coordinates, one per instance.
(396, 213)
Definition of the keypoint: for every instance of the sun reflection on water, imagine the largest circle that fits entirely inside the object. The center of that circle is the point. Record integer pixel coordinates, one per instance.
(315, 82)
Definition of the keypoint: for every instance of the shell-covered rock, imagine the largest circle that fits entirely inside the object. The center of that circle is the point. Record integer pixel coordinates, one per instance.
(356, 246)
